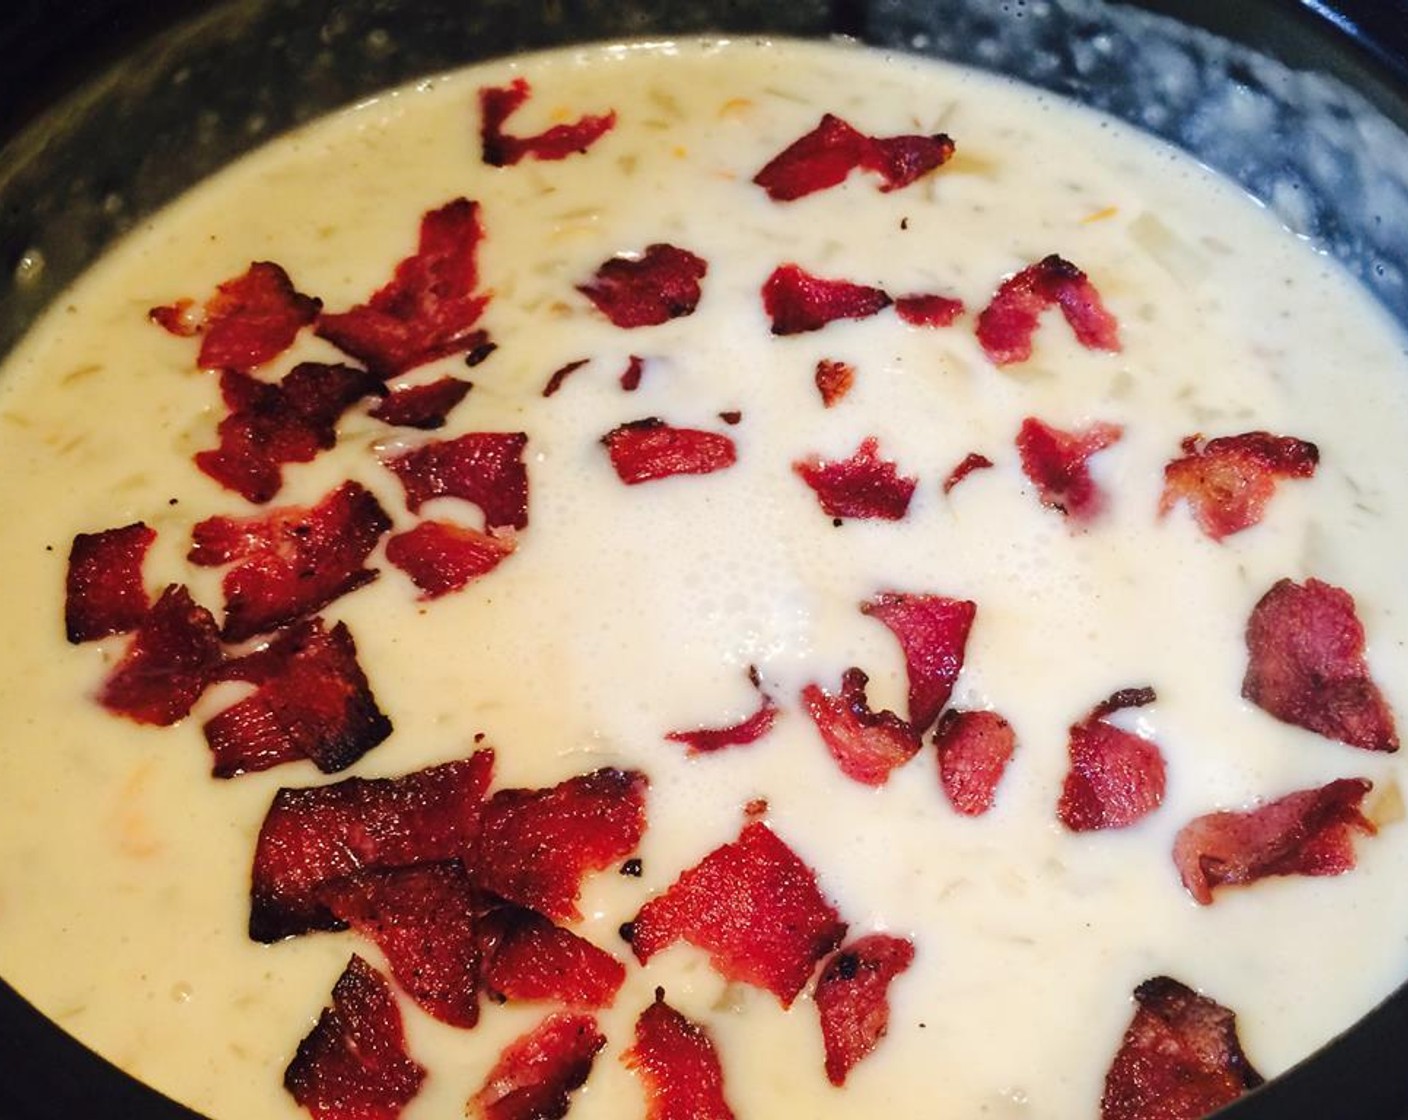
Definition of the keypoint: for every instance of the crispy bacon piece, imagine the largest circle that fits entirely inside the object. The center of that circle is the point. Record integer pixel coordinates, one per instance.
(312, 701)
(1306, 666)
(498, 103)
(928, 310)
(974, 749)
(971, 462)
(525, 957)
(834, 380)
(1180, 1058)
(270, 425)
(483, 468)
(441, 557)
(422, 406)
(170, 659)
(706, 740)
(866, 745)
(311, 836)
(933, 632)
(561, 374)
(537, 1072)
(1116, 778)
(827, 154)
(292, 561)
(754, 907)
(1056, 463)
(1228, 481)
(661, 284)
(429, 308)
(104, 592)
(852, 998)
(251, 319)
(676, 1060)
(536, 845)
(422, 918)
(797, 302)
(1309, 832)
(631, 375)
(1006, 325)
(650, 449)
(353, 1065)
(863, 486)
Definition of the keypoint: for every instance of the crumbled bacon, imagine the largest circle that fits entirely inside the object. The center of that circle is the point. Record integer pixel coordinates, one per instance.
(797, 302)
(928, 310)
(974, 749)
(525, 957)
(251, 319)
(659, 285)
(650, 449)
(971, 462)
(1115, 778)
(441, 557)
(834, 380)
(104, 592)
(933, 632)
(422, 919)
(1006, 325)
(1228, 481)
(1180, 1059)
(852, 998)
(631, 375)
(827, 154)
(270, 425)
(1309, 832)
(1056, 463)
(169, 660)
(312, 701)
(754, 907)
(429, 308)
(866, 745)
(537, 1072)
(676, 1060)
(311, 836)
(706, 740)
(863, 486)
(561, 374)
(292, 561)
(1306, 665)
(422, 406)
(498, 103)
(353, 1065)
(483, 468)
(536, 845)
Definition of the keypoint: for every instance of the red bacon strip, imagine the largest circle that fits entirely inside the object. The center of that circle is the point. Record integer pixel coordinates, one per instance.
(974, 749)
(753, 906)
(834, 380)
(1306, 666)
(866, 745)
(971, 462)
(661, 284)
(676, 1060)
(312, 701)
(429, 307)
(312, 836)
(441, 557)
(1180, 1058)
(1057, 464)
(797, 302)
(825, 156)
(706, 740)
(270, 425)
(852, 998)
(104, 592)
(928, 310)
(483, 468)
(537, 1072)
(251, 319)
(353, 1065)
(536, 845)
(498, 103)
(422, 406)
(650, 449)
(1228, 481)
(1309, 832)
(1006, 325)
(525, 957)
(863, 486)
(292, 561)
(169, 661)
(1115, 778)
(933, 632)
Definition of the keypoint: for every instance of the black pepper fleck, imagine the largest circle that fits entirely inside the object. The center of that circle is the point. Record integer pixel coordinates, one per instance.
(631, 867)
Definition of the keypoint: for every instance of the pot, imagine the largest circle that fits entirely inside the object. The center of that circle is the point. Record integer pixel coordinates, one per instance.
(107, 112)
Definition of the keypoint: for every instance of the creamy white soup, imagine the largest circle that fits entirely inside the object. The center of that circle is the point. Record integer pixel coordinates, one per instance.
(627, 612)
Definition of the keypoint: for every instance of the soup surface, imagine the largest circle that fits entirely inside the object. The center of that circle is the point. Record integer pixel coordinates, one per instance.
(625, 612)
